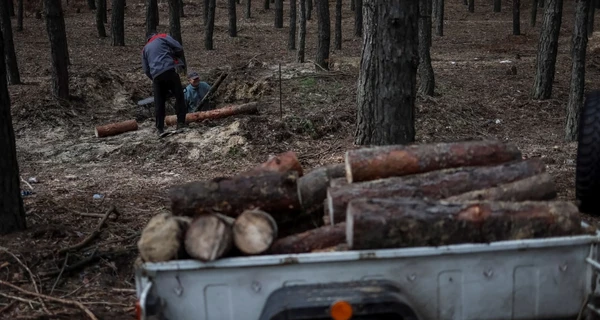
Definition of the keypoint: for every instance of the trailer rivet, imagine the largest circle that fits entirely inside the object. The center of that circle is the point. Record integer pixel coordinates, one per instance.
(563, 267)
(256, 286)
(488, 273)
(411, 277)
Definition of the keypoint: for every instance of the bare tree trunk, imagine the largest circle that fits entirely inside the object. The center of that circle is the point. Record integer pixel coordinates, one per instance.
(210, 28)
(248, 9)
(516, 17)
(337, 44)
(181, 12)
(387, 83)
(118, 22)
(55, 27)
(232, 19)
(439, 21)
(11, 8)
(534, 6)
(12, 214)
(547, 50)
(292, 38)
(497, 5)
(590, 20)
(267, 4)
(471, 5)
(91, 4)
(352, 5)
(9, 46)
(358, 19)
(309, 9)
(99, 20)
(426, 75)
(577, 87)
(206, 8)
(302, 33)
(151, 15)
(19, 15)
(104, 14)
(278, 14)
(324, 42)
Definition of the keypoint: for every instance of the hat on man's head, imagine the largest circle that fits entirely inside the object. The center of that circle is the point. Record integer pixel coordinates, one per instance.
(193, 75)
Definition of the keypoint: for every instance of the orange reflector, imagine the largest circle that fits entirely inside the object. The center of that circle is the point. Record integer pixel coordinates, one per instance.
(138, 310)
(341, 310)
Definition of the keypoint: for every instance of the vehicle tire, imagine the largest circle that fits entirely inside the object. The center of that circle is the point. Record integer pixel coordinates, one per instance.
(587, 173)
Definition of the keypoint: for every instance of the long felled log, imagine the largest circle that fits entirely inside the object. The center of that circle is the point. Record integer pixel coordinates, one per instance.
(312, 188)
(162, 238)
(283, 162)
(209, 237)
(411, 222)
(227, 111)
(113, 129)
(435, 184)
(254, 231)
(315, 239)
(400, 160)
(272, 192)
(538, 187)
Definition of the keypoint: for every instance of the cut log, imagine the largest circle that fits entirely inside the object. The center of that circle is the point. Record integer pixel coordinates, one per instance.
(113, 129)
(284, 162)
(411, 222)
(399, 160)
(254, 231)
(208, 238)
(312, 188)
(227, 111)
(338, 248)
(435, 184)
(162, 238)
(538, 187)
(315, 239)
(272, 192)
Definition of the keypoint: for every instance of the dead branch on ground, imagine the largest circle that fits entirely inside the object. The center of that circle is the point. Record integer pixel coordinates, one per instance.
(94, 233)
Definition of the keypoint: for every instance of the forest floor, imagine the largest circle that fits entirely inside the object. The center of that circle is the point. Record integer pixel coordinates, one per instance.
(476, 97)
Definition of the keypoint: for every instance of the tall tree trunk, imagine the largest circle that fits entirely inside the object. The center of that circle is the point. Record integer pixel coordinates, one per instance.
(232, 18)
(99, 20)
(358, 19)
(91, 4)
(181, 12)
(175, 25)
(19, 15)
(118, 23)
(12, 215)
(547, 50)
(11, 8)
(55, 28)
(292, 37)
(352, 5)
(309, 9)
(248, 9)
(471, 5)
(534, 7)
(426, 75)
(210, 28)
(9, 46)
(278, 14)
(439, 20)
(387, 79)
(577, 87)
(302, 33)
(497, 5)
(516, 17)
(266, 4)
(541, 3)
(590, 19)
(151, 16)
(206, 9)
(324, 42)
(337, 43)
(104, 14)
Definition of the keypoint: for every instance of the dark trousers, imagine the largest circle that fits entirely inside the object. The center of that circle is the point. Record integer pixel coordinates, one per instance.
(162, 84)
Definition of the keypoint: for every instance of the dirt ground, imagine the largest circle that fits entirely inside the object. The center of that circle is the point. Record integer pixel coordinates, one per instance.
(476, 97)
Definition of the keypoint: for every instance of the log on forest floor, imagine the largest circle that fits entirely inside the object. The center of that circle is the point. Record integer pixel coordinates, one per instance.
(227, 111)
(113, 129)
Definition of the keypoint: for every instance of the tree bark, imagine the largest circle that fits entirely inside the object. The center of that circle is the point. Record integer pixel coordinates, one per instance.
(435, 184)
(99, 20)
(181, 12)
(278, 14)
(246, 108)
(590, 19)
(578, 52)
(516, 17)
(471, 5)
(162, 238)
(322, 59)
(302, 33)
(118, 23)
(248, 9)
(534, 7)
(399, 160)
(103, 12)
(292, 36)
(116, 128)
(11, 7)
(272, 192)
(208, 237)
(55, 28)
(547, 50)
(352, 5)
(91, 4)
(206, 9)
(232, 18)
(210, 28)
(309, 9)
(358, 18)
(312, 188)
(151, 16)
(266, 4)
(254, 231)
(12, 215)
(20, 15)
(439, 21)
(175, 26)
(12, 68)
(338, 25)
(308, 241)
(397, 223)
(425, 69)
(387, 79)
(497, 5)
(539, 187)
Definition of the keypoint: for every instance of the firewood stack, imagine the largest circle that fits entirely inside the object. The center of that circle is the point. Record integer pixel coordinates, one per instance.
(381, 197)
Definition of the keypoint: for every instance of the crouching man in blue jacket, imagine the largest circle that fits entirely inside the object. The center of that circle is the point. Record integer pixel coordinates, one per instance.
(160, 57)
(195, 92)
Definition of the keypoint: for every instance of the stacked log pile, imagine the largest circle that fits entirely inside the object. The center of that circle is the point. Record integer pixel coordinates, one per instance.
(381, 197)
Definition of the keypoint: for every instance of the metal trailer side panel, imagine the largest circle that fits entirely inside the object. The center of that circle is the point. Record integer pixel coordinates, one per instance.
(529, 279)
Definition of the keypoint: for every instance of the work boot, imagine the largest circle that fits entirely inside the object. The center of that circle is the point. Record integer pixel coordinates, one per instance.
(160, 132)
(181, 125)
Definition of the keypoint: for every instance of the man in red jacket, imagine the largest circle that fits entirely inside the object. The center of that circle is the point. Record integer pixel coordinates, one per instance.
(161, 57)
